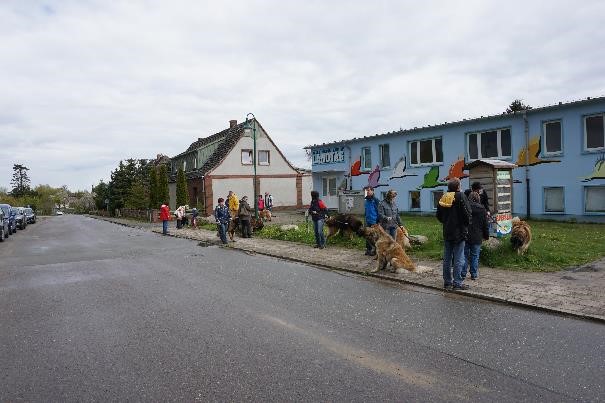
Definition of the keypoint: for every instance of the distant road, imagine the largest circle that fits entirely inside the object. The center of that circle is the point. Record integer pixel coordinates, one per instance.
(95, 311)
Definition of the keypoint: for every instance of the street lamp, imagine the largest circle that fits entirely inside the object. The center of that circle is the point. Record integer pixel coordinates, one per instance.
(250, 131)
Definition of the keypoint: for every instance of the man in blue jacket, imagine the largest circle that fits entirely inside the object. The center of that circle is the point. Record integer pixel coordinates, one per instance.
(371, 213)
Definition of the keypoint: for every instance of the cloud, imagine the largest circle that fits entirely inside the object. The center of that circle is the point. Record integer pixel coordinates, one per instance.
(89, 83)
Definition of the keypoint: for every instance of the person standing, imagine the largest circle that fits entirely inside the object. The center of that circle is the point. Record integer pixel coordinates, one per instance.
(233, 204)
(477, 232)
(371, 214)
(222, 217)
(454, 212)
(318, 211)
(268, 201)
(261, 203)
(245, 215)
(165, 217)
(484, 198)
(388, 214)
(194, 214)
(179, 217)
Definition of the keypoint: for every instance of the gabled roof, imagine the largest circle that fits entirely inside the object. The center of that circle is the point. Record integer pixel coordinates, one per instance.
(227, 139)
(588, 100)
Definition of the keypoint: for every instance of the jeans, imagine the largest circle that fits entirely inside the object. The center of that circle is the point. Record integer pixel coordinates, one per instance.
(318, 229)
(222, 231)
(453, 251)
(392, 232)
(471, 254)
(164, 227)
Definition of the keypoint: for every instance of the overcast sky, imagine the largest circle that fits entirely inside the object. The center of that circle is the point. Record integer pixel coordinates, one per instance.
(84, 84)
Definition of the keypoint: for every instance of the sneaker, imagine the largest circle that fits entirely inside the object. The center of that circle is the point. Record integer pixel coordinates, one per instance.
(316, 246)
(447, 286)
(474, 278)
(368, 253)
(456, 287)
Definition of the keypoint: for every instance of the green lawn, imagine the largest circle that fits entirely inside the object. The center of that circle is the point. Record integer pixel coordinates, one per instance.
(555, 245)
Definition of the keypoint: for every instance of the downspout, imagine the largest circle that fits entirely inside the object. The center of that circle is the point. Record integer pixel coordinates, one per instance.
(527, 188)
(350, 178)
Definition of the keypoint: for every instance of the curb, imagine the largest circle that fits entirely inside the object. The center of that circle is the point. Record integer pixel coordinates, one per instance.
(473, 294)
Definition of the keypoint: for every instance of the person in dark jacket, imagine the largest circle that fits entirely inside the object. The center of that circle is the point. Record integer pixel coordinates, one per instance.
(484, 199)
(454, 212)
(318, 211)
(222, 217)
(371, 215)
(245, 215)
(477, 232)
(388, 213)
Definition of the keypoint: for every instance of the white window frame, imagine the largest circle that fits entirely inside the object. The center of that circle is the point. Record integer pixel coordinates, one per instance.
(433, 202)
(250, 153)
(261, 162)
(434, 151)
(602, 115)
(364, 165)
(544, 191)
(195, 162)
(546, 152)
(381, 155)
(499, 145)
(586, 188)
(184, 165)
(326, 188)
(410, 200)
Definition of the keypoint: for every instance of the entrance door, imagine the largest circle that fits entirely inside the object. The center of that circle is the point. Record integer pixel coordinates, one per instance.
(328, 195)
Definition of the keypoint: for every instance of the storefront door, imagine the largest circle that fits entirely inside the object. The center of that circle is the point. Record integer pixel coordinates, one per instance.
(328, 191)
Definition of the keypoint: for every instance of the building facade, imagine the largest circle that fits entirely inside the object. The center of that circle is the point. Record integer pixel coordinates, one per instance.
(216, 164)
(558, 150)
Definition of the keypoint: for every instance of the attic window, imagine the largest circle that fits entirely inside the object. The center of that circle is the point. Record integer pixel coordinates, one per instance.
(263, 157)
(246, 157)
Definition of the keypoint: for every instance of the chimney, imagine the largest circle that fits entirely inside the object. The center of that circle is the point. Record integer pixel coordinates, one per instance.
(232, 123)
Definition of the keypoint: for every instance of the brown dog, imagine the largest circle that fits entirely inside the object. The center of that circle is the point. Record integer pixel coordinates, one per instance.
(403, 237)
(345, 224)
(520, 236)
(388, 251)
(235, 225)
(265, 215)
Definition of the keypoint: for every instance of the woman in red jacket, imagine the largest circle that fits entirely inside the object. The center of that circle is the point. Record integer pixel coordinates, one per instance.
(165, 217)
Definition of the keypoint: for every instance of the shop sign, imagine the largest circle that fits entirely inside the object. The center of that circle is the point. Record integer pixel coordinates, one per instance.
(328, 155)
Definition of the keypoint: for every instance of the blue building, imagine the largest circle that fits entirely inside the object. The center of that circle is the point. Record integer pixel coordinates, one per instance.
(558, 150)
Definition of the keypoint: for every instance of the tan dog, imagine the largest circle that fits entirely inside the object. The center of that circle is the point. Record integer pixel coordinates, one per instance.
(520, 236)
(403, 237)
(265, 215)
(388, 251)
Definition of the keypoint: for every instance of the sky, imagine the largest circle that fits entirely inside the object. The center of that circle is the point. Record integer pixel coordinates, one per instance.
(85, 84)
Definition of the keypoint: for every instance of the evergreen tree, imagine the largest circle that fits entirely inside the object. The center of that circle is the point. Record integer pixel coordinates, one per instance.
(182, 197)
(516, 106)
(101, 192)
(153, 188)
(163, 193)
(20, 181)
(137, 196)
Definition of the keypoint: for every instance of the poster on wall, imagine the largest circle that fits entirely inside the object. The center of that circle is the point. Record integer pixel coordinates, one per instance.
(503, 224)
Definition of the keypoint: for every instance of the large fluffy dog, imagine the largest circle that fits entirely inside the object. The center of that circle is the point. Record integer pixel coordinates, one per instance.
(402, 237)
(345, 224)
(234, 225)
(388, 251)
(520, 236)
(265, 215)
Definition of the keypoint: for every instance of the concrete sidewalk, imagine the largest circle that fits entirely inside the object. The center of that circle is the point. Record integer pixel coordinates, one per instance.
(578, 292)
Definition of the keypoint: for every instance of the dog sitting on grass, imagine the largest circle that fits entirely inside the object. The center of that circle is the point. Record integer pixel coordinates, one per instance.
(345, 224)
(520, 236)
(389, 252)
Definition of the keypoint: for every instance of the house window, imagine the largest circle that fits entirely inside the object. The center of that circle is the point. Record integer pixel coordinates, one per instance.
(366, 158)
(436, 197)
(184, 165)
(552, 138)
(489, 144)
(328, 186)
(195, 163)
(246, 157)
(263, 157)
(385, 157)
(415, 200)
(594, 199)
(554, 200)
(594, 132)
(426, 152)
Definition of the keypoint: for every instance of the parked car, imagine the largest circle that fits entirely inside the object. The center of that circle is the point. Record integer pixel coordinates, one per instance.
(3, 226)
(59, 213)
(10, 216)
(20, 218)
(30, 215)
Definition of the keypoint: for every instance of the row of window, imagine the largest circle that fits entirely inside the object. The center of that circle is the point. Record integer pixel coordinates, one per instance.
(263, 157)
(491, 144)
(554, 199)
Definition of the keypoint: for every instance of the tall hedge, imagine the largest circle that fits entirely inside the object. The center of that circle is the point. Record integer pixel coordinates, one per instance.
(182, 198)
(163, 194)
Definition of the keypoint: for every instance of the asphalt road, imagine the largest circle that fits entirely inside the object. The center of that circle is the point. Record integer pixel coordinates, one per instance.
(92, 311)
